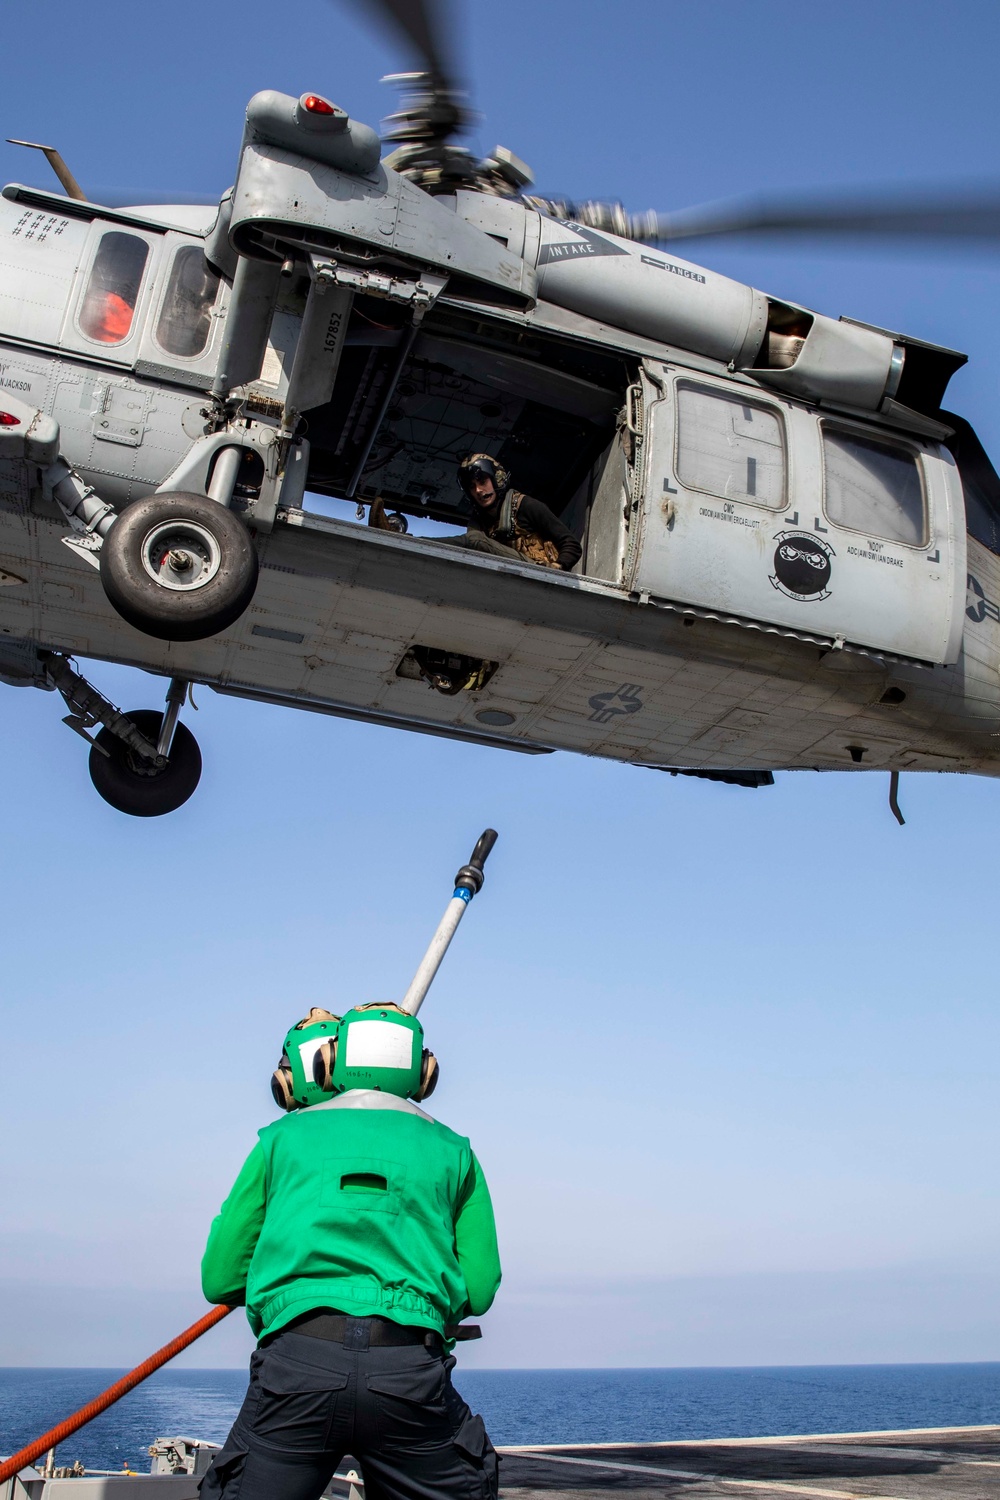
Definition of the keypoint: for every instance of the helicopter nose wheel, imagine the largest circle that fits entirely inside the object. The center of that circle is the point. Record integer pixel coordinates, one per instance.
(131, 782)
(178, 567)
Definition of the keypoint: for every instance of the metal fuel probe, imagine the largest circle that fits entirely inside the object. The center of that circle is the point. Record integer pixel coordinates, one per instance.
(468, 882)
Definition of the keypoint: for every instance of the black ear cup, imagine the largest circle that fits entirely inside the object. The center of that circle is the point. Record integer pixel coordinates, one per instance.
(429, 1072)
(324, 1059)
(281, 1086)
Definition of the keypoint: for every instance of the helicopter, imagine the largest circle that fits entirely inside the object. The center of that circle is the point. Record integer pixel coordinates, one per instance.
(790, 549)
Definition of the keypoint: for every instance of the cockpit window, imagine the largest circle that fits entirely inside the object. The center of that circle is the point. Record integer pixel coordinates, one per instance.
(729, 447)
(185, 319)
(113, 287)
(873, 487)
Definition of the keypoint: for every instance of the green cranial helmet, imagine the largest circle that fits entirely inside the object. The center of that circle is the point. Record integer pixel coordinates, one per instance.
(378, 1047)
(292, 1083)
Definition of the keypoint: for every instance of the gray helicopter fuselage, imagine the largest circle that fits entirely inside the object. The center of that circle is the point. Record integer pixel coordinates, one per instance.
(776, 557)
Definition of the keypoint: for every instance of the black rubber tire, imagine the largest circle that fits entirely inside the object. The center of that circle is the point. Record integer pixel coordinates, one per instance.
(120, 779)
(165, 613)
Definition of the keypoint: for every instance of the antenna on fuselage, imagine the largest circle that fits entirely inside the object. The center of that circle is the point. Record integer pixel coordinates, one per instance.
(67, 181)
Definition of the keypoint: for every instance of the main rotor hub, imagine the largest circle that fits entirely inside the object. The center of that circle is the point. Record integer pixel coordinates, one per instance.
(431, 113)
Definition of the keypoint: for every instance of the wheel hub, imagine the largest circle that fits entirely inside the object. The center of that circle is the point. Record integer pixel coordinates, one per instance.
(182, 556)
(141, 765)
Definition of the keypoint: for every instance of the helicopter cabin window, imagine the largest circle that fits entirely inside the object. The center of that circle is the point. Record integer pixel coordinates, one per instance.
(185, 319)
(730, 447)
(113, 287)
(874, 487)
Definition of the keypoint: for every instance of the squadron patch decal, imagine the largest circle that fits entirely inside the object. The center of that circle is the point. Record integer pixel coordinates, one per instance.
(802, 565)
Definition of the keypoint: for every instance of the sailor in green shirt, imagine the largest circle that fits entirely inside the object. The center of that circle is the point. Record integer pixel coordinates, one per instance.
(358, 1234)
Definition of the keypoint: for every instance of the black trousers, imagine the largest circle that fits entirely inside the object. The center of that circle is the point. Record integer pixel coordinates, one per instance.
(394, 1410)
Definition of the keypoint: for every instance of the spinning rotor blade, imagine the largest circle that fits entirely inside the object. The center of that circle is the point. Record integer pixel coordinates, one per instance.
(970, 218)
(425, 24)
(434, 108)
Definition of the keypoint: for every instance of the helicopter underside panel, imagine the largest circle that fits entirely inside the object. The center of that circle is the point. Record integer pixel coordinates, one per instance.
(579, 666)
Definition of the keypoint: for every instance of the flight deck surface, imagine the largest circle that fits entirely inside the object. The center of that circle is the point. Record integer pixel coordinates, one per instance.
(914, 1464)
(928, 1463)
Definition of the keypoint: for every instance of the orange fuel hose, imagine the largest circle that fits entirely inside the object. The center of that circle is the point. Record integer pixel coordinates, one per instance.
(113, 1393)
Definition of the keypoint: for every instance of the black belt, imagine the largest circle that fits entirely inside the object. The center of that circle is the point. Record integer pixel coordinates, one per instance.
(360, 1333)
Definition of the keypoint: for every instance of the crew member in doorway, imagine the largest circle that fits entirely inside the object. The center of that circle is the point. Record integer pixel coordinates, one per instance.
(358, 1233)
(508, 524)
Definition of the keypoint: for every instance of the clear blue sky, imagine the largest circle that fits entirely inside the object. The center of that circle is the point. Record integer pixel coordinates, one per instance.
(735, 1088)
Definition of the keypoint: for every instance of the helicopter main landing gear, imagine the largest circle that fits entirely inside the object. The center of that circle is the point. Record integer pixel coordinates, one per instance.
(143, 763)
(180, 567)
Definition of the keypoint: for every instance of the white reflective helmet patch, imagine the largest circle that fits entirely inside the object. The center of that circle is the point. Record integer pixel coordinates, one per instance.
(379, 1044)
(307, 1051)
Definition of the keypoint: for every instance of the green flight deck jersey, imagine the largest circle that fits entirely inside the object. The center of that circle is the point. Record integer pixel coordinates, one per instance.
(363, 1204)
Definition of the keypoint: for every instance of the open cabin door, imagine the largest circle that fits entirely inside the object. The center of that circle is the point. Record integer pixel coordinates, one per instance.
(764, 508)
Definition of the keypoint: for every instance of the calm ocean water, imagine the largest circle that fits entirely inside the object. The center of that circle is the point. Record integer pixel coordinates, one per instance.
(534, 1406)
